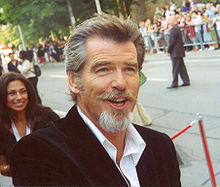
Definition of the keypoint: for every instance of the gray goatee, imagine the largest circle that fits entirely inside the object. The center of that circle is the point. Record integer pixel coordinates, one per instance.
(110, 123)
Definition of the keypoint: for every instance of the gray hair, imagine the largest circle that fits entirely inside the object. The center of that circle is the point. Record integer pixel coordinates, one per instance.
(104, 26)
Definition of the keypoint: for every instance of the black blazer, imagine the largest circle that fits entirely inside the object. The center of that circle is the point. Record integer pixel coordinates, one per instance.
(175, 45)
(67, 153)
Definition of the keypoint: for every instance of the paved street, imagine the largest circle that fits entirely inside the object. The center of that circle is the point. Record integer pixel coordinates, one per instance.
(171, 110)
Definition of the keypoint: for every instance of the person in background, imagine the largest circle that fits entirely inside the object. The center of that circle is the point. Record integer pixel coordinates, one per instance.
(141, 117)
(177, 52)
(20, 114)
(206, 31)
(1, 69)
(147, 36)
(184, 8)
(40, 54)
(172, 8)
(26, 67)
(158, 13)
(95, 144)
(197, 22)
(13, 64)
(216, 22)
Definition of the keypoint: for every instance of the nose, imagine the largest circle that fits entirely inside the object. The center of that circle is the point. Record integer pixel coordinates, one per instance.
(119, 81)
(18, 95)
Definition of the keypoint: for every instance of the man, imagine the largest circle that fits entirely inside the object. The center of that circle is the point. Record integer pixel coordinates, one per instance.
(197, 22)
(177, 52)
(96, 144)
(13, 64)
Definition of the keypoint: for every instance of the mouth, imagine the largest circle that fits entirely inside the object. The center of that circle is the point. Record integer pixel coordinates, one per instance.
(18, 104)
(118, 103)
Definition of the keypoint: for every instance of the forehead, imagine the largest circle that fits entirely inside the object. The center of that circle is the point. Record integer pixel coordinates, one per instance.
(16, 84)
(97, 47)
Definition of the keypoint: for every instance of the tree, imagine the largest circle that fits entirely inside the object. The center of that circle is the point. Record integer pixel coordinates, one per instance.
(139, 12)
(38, 18)
(120, 8)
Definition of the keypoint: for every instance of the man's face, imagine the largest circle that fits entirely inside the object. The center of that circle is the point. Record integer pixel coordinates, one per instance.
(110, 79)
(11, 55)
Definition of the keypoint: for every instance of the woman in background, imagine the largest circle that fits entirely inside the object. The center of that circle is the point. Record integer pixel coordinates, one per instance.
(26, 67)
(20, 114)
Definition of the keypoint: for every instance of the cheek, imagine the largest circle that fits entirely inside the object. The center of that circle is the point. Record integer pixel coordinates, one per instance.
(134, 85)
(95, 88)
(9, 100)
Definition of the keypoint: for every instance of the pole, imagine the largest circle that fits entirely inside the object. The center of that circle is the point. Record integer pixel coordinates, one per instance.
(183, 130)
(21, 36)
(72, 18)
(98, 7)
(212, 175)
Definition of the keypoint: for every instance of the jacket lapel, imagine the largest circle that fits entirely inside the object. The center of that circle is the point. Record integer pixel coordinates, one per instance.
(147, 170)
(90, 155)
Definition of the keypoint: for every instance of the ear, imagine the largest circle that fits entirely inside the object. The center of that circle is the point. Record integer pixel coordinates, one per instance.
(72, 85)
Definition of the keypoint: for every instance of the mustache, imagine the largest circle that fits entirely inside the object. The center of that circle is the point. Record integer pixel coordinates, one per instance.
(117, 93)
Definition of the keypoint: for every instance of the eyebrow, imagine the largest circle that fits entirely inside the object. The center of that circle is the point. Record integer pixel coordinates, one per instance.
(99, 64)
(13, 90)
(132, 63)
(104, 63)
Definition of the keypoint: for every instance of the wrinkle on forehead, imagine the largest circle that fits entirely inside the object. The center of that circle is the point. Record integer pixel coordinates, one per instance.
(103, 50)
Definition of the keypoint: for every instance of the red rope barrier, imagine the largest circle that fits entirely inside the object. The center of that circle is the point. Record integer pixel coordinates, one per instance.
(207, 154)
(183, 130)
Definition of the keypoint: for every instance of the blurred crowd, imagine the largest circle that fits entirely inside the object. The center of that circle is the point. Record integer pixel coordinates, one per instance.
(199, 23)
(48, 51)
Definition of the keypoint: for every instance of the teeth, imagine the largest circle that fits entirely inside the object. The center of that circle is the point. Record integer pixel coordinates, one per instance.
(18, 104)
(118, 100)
(118, 104)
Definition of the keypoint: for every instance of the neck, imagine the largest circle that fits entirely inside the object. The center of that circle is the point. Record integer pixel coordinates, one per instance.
(118, 140)
(21, 117)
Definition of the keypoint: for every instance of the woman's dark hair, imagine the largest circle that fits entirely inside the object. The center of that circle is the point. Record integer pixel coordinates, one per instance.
(24, 55)
(32, 107)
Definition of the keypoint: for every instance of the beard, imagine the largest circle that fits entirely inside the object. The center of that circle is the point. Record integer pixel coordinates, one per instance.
(110, 123)
(119, 120)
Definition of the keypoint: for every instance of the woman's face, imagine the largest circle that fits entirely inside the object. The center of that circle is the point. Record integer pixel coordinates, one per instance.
(17, 96)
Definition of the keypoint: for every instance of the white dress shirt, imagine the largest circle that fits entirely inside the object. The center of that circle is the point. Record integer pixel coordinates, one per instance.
(134, 147)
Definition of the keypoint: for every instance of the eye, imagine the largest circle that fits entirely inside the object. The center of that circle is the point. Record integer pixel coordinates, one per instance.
(11, 93)
(102, 70)
(131, 69)
(23, 91)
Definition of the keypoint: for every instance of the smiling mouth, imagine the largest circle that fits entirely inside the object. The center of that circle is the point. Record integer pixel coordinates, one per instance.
(118, 103)
(18, 104)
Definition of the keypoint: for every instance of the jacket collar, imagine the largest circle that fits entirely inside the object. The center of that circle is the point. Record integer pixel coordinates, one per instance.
(94, 160)
(88, 152)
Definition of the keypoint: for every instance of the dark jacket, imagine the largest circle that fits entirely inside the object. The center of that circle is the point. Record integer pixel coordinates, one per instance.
(13, 68)
(8, 140)
(175, 45)
(68, 153)
(1, 68)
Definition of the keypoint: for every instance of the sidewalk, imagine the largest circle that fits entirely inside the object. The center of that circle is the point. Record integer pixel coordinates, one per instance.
(189, 55)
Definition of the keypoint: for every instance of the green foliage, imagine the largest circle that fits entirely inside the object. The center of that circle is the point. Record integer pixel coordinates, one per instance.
(118, 7)
(38, 18)
(10, 34)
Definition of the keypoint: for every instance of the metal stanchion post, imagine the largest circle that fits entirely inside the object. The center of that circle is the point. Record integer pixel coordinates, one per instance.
(212, 175)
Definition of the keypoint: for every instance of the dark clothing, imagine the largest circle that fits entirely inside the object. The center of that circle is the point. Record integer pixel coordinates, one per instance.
(34, 81)
(1, 69)
(177, 52)
(8, 140)
(13, 68)
(68, 153)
